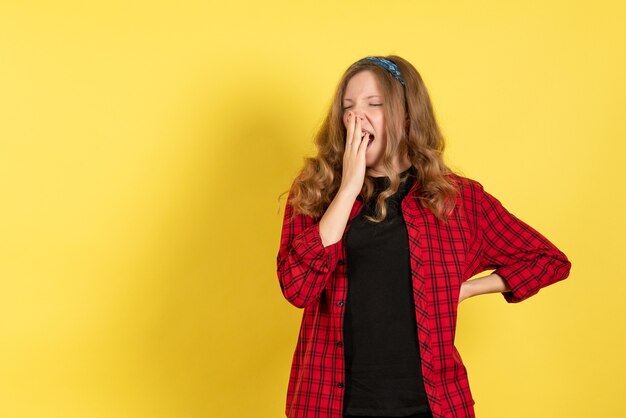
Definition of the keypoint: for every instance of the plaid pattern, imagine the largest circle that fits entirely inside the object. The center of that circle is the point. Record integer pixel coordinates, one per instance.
(481, 235)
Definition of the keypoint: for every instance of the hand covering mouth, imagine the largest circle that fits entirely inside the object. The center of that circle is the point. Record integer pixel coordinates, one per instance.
(368, 135)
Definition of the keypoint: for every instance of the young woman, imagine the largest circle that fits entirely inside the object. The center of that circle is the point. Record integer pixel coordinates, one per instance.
(378, 242)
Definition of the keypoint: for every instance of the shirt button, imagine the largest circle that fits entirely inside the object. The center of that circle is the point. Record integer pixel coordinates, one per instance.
(339, 385)
(339, 344)
(340, 303)
(340, 262)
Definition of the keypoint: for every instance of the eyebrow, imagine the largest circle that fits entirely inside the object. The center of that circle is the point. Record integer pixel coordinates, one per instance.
(368, 97)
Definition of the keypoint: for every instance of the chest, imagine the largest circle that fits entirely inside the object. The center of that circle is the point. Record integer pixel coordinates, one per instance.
(437, 251)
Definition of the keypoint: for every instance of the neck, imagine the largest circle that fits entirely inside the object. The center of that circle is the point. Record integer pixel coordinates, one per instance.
(399, 166)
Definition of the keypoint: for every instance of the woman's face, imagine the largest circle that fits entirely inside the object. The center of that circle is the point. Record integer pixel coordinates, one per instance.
(363, 97)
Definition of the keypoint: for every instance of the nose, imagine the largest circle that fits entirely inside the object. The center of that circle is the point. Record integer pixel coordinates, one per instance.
(358, 114)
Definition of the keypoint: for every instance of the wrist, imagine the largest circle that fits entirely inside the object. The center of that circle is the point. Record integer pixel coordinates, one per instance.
(469, 288)
(491, 283)
(346, 194)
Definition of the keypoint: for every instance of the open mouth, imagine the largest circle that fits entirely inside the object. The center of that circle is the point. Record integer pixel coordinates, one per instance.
(369, 136)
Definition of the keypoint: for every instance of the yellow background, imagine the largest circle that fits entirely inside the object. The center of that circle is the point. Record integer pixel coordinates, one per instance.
(143, 146)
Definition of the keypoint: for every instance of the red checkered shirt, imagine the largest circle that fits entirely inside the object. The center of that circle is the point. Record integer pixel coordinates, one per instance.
(481, 235)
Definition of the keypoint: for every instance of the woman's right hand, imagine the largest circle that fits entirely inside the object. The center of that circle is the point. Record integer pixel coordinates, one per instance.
(353, 157)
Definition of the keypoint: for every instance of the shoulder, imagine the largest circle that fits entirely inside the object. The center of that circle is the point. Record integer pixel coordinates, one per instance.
(468, 187)
(469, 199)
(471, 196)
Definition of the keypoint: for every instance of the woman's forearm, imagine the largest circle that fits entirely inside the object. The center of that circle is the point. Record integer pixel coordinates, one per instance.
(487, 284)
(335, 219)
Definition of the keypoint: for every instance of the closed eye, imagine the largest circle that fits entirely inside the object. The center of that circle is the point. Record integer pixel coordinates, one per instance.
(373, 104)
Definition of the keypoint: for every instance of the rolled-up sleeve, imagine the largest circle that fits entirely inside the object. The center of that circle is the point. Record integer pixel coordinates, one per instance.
(303, 264)
(525, 259)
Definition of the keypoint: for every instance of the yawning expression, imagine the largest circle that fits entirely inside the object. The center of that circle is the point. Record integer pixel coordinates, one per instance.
(363, 98)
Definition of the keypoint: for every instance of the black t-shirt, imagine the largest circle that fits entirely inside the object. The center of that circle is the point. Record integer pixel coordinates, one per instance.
(383, 367)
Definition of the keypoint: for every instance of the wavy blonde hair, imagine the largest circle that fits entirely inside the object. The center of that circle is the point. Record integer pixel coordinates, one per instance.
(410, 127)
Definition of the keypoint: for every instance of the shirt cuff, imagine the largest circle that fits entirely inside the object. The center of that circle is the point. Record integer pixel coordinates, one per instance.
(311, 250)
(519, 280)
